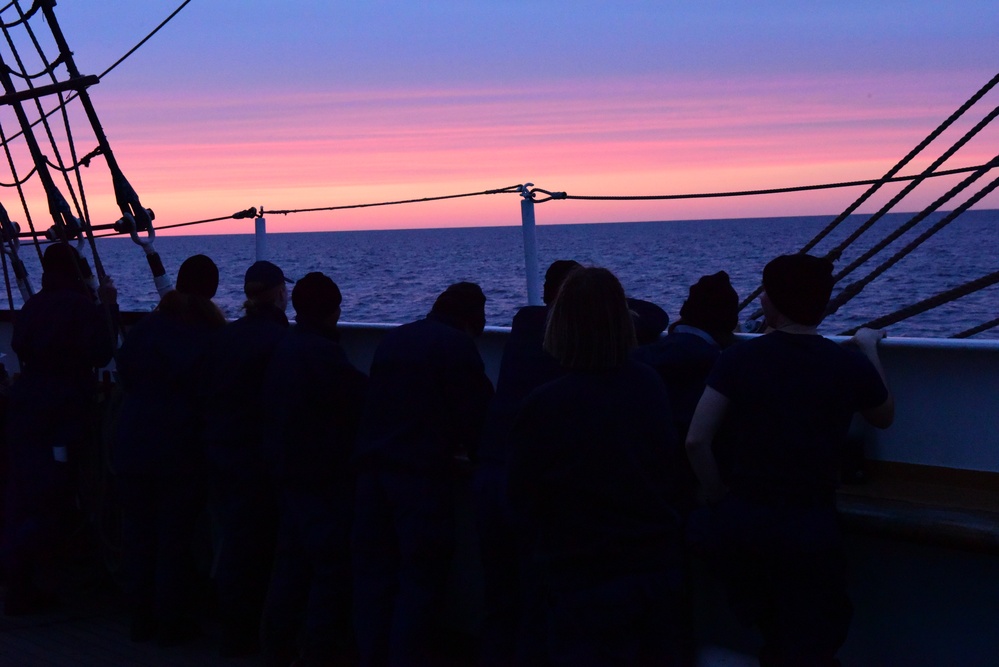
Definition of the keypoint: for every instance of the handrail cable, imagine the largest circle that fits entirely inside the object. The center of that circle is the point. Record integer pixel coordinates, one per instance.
(512, 188)
(747, 193)
(887, 177)
(968, 333)
(926, 304)
(854, 288)
(73, 96)
(515, 189)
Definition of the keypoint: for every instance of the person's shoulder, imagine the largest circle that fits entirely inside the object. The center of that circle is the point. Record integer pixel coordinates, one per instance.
(530, 316)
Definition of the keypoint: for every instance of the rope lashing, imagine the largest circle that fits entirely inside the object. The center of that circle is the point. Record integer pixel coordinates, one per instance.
(927, 304)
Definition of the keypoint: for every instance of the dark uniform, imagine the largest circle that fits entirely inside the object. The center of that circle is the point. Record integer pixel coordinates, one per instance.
(426, 404)
(242, 490)
(776, 538)
(159, 459)
(591, 475)
(313, 398)
(60, 336)
(502, 544)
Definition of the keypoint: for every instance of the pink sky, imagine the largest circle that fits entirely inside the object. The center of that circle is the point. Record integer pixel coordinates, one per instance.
(322, 105)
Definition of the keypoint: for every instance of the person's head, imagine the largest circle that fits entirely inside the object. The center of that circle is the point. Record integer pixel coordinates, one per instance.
(712, 306)
(198, 275)
(265, 284)
(462, 305)
(589, 327)
(316, 299)
(649, 320)
(64, 268)
(555, 276)
(798, 288)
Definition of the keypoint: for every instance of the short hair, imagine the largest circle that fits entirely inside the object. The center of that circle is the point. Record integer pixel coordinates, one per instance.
(589, 327)
(799, 286)
(198, 275)
(712, 306)
(462, 303)
(555, 276)
(315, 297)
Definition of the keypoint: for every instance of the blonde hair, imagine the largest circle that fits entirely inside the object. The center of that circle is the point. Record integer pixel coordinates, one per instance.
(590, 327)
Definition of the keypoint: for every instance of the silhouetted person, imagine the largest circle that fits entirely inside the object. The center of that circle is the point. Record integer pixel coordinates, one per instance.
(159, 456)
(243, 493)
(687, 354)
(524, 367)
(649, 320)
(590, 476)
(426, 403)
(774, 535)
(683, 360)
(60, 336)
(313, 398)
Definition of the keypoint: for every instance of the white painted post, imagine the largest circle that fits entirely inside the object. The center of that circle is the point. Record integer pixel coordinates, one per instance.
(260, 234)
(530, 245)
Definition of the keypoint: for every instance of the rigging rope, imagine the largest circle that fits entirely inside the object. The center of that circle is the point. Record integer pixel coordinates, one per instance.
(834, 254)
(855, 288)
(970, 102)
(927, 304)
(73, 96)
(968, 333)
(20, 189)
(906, 226)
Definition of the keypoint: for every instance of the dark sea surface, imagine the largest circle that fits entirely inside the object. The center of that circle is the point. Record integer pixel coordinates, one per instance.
(394, 276)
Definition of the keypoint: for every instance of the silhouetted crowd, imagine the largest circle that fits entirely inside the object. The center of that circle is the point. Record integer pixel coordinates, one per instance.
(615, 448)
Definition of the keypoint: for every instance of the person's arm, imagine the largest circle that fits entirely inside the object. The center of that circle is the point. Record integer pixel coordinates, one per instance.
(707, 419)
(866, 341)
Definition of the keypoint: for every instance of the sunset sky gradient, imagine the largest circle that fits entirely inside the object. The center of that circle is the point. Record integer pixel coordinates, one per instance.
(314, 103)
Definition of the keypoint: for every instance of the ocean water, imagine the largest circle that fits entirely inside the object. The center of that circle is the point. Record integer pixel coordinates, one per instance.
(394, 276)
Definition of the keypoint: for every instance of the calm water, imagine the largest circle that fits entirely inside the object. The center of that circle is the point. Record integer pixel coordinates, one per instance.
(393, 276)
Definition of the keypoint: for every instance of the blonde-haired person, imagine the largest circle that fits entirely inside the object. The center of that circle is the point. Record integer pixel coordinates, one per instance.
(590, 478)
